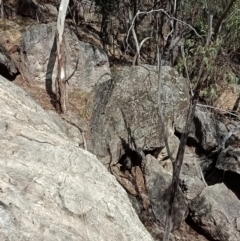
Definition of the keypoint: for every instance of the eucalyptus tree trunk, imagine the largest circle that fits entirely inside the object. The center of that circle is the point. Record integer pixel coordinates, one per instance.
(60, 84)
(2, 9)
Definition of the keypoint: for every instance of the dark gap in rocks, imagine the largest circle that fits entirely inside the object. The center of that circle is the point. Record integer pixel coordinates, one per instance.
(130, 158)
(191, 142)
(190, 222)
(214, 176)
(178, 134)
(152, 151)
(229, 178)
(5, 73)
(232, 180)
(208, 168)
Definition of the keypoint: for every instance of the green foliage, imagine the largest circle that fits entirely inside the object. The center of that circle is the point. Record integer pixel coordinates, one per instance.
(214, 56)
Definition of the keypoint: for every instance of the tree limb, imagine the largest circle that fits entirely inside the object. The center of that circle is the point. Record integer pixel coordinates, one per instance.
(61, 92)
(163, 11)
(221, 19)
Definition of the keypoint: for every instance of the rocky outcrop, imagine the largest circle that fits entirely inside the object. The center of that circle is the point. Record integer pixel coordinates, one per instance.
(39, 64)
(125, 110)
(50, 188)
(217, 210)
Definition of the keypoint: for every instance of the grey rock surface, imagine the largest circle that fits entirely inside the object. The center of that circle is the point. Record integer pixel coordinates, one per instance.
(38, 56)
(190, 186)
(207, 130)
(216, 211)
(158, 183)
(229, 158)
(126, 110)
(69, 128)
(191, 176)
(50, 188)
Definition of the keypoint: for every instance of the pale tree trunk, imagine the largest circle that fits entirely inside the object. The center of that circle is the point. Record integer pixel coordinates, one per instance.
(61, 92)
(2, 10)
(136, 59)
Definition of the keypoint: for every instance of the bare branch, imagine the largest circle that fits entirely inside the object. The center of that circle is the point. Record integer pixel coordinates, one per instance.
(163, 11)
(216, 108)
(2, 9)
(137, 55)
(210, 20)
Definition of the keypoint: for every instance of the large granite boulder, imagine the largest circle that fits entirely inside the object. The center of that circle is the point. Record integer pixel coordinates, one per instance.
(217, 212)
(125, 110)
(39, 63)
(50, 189)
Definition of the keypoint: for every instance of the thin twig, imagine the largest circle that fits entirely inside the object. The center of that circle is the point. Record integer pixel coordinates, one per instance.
(163, 11)
(199, 170)
(216, 108)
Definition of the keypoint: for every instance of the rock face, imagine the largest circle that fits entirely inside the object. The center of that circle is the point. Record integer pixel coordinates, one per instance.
(50, 188)
(191, 176)
(207, 131)
(217, 210)
(158, 184)
(38, 56)
(229, 159)
(126, 110)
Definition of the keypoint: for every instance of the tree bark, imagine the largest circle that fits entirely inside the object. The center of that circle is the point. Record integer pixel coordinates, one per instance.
(60, 84)
(2, 9)
(61, 87)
